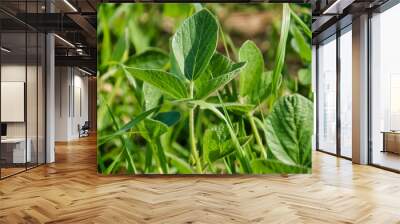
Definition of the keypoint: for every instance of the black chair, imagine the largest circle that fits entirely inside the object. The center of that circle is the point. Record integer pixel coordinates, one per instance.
(84, 130)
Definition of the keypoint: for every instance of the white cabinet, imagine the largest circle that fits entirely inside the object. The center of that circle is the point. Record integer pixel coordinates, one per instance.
(19, 155)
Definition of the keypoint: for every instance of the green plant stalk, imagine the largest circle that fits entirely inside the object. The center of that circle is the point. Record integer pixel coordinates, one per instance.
(256, 135)
(131, 163)
(305, 27)
(280, 55)
(236, 143)
(227, 166)
(242, 154)
(154, 150)
(192, 134)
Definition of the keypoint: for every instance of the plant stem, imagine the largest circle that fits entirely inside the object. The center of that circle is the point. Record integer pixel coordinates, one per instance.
(256, 135)
(243, 158)
(192, 134)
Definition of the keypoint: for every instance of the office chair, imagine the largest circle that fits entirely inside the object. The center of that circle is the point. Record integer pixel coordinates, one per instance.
(84, 130)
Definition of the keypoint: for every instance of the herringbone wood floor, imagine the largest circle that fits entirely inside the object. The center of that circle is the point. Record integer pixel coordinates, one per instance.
(70, 191)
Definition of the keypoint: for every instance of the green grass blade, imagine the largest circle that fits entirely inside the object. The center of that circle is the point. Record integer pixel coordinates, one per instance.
(128, 147)
(299, 21)
(127, 126)
(182, 166)
(281, 51)
(161, 157)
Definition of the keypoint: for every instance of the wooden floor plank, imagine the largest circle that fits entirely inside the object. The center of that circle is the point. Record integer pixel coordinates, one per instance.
(70, 191)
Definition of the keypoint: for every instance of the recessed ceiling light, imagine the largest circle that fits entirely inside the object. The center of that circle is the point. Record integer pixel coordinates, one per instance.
(84, 71)
(64, 40)
(5, 50)
(70, 5)
(337, 7)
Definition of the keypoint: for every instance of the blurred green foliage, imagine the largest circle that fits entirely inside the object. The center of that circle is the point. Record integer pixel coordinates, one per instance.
(245, 124)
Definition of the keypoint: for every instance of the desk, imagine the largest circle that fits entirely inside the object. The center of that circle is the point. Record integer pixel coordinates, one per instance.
(391, 141)
(15, 148)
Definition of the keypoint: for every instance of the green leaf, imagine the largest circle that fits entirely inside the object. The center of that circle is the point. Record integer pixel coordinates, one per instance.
(217, 144)
(152, 96)
(166, 82)
(291, 84)
(195, 42)
(161, 156)
(210, 143)
(261, 166)
(281, 51)
(152, 129)
(138, 37)
(239, 107)
(300, 44)
(121, 49)
(305, 76)
(227, 148)
(174, 64)
(150, 59)
(126, 127)
(265, 89)
(182, 166)
(220, 72)
(169, 118)
(128, 146)
(289, 129)
(250, 75)
(305, 27)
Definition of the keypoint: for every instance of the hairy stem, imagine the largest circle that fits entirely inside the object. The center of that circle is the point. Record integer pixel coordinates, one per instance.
(192, 136)
(256, 135)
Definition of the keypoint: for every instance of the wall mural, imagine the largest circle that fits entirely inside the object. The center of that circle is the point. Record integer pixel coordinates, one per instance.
(204, 88)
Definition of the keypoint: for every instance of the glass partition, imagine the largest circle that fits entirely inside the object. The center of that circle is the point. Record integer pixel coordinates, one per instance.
(327, 96)
(346, 93)
(385, 89)
(14, 151)
(22, 90)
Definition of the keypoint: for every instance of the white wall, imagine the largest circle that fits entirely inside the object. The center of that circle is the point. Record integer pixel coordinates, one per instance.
(71, 94)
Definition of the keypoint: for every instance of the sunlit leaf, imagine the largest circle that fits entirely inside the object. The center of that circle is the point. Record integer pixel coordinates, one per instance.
(250, 75)
(194, 43)
(289, 130)
(166, 82)
(152, 96)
